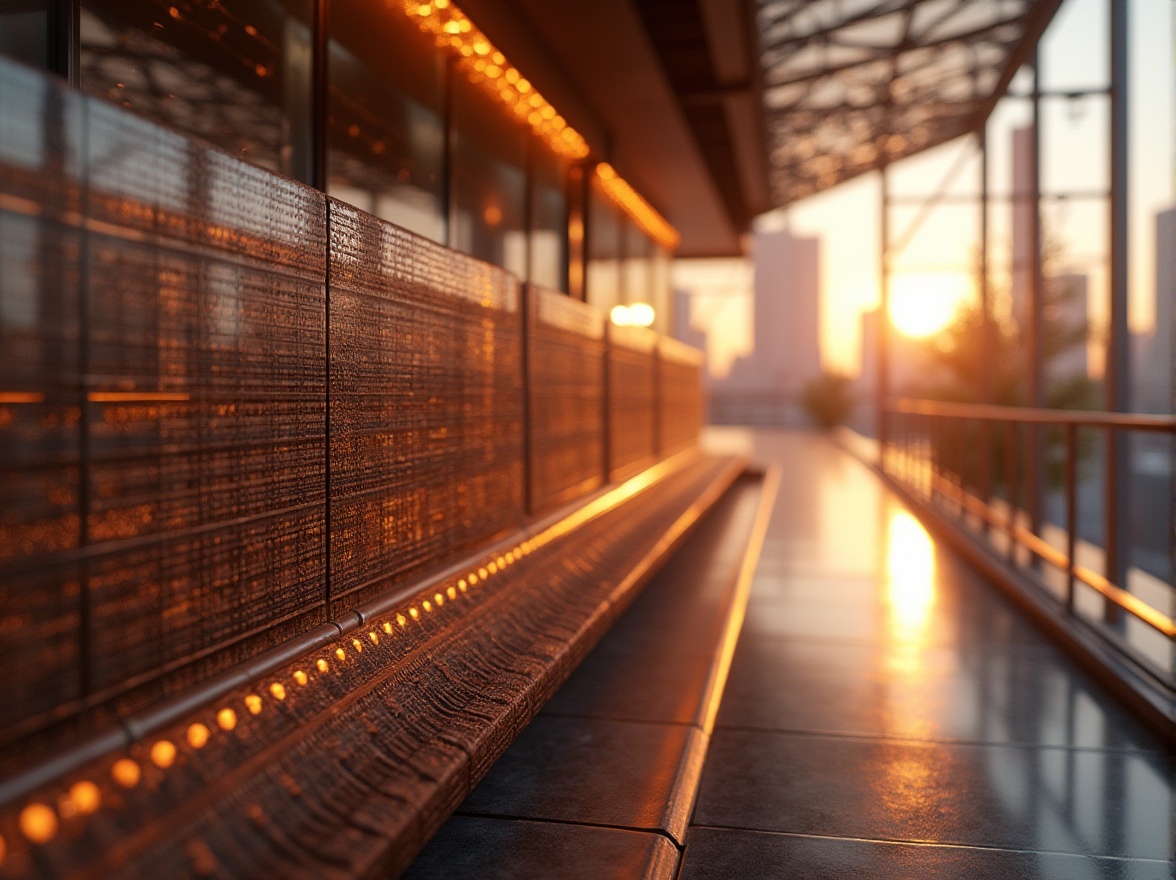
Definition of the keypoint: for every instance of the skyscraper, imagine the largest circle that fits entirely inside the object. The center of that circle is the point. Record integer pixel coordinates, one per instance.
(786, 315)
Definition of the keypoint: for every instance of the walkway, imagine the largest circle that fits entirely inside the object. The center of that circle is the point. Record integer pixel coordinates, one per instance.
(888, 715)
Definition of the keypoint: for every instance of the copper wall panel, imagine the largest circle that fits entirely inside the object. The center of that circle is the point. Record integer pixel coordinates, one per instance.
(565, 364)
(632, 390)
(206, 403)
(680, 404)
(169, 384)
(426, 404)
(40, 432)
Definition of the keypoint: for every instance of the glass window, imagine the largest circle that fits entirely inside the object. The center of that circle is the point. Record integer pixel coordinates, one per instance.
(24, 31)
(604, 251)
(386, 117)
(638, 251)
(238, 74)
(489, 182)
(661, 295)
(549, 219)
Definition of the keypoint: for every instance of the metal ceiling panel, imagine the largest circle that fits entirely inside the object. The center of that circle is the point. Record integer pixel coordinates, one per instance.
(853, 85)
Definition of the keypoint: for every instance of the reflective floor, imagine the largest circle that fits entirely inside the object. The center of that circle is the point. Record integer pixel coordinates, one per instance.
(889, 715)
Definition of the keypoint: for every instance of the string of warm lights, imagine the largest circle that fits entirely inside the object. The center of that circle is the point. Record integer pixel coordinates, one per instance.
(40, 821)
(640, 211)
(485, 65)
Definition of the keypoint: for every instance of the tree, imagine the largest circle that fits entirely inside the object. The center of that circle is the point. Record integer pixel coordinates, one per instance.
(826, 399)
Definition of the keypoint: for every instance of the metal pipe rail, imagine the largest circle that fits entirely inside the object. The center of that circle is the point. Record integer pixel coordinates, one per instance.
(930, 452)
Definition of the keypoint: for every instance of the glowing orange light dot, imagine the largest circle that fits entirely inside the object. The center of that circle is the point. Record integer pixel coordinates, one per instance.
(126, 773)
(358, 645)
(401, 621)
(498, 58)
(260, 70)
(512, 75)
(413, 613)
(424, 10)
(198, 736)
(441, 4)
(85, 796)
(322, 665)
(300, 677)
(278, 691)
(340, 653)
(226, 719)
(452, 593)
(387, 627)
(482, 573)
(163, 754)
(38, 823)
(251, 30)
(493, 566)
(253, 704)
(173, 12)
(439, 599)
(427, 605)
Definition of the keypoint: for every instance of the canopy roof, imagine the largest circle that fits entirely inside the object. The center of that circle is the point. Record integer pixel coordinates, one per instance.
(852, 85)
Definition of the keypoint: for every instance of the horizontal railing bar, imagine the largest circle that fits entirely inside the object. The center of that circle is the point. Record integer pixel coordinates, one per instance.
(1026, 415)
(1129, 602)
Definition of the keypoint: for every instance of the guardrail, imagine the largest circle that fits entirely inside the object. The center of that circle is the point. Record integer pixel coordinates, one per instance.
(969, 460)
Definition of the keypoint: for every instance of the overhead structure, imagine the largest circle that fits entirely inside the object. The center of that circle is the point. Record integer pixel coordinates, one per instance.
(850, 86)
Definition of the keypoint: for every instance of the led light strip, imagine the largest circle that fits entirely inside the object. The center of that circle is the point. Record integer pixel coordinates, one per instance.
(485, 65)
(642, 213)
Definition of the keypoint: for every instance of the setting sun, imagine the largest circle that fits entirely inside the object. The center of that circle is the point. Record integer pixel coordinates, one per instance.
(924, 304)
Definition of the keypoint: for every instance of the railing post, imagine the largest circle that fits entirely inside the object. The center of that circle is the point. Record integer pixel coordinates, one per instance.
(1035, 457)
(1011, 481)
(984, 478)
(883, 390)
(1071, 510)
(1117, 382)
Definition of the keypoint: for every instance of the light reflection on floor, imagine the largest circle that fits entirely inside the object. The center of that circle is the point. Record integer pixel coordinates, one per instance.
(883, 697)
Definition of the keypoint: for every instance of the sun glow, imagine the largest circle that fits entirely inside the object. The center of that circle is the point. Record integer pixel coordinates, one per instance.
(921, 305)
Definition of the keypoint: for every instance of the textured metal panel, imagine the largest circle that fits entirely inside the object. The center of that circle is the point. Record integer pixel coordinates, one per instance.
(344, 761)
(40, 432)
(632, 390)
(426, 404)
(565, 363)
(207, 400)
(680, 403)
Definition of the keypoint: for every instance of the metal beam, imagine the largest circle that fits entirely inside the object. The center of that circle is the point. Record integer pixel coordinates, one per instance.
(883, 325)
(1117, 379)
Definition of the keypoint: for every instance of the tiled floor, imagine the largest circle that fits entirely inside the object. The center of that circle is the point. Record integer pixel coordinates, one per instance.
(888, 715)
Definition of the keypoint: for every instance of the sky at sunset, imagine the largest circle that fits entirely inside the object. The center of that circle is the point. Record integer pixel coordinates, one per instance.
(936, 263)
